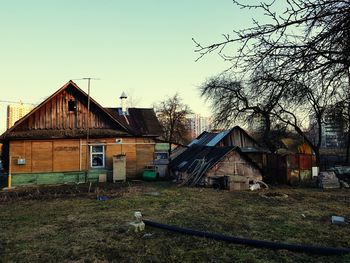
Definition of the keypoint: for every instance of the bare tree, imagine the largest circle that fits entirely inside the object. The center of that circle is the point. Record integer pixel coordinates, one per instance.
(315, 33)
(172, 114)
(304, 51)
(237, 101)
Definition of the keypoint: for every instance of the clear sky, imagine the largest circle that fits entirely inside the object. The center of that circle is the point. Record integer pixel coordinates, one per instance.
(141, 47)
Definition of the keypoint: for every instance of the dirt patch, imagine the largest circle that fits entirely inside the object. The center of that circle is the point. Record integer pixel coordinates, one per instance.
(70, 191)
(274, 195)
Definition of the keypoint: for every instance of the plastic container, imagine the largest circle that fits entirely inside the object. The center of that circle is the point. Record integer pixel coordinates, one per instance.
(338, 220)
(149, 175)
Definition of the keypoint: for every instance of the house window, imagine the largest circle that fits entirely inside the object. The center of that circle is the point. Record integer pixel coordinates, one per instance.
(97, 156)
(161, 155)
(72, 105)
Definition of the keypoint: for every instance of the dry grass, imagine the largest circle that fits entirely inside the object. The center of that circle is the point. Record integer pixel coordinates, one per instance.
(81, 229)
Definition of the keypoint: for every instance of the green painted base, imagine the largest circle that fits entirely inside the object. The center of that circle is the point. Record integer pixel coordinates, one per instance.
(56, 178)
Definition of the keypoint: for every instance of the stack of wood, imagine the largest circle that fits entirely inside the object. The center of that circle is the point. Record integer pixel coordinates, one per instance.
(328, 180)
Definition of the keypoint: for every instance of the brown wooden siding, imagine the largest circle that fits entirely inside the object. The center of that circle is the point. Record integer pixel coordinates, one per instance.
(145, 155)
(234, 164)
(66, 155)
(61, 155)
(238, 138)
(54, 115)
(21, 150)
(42, 157)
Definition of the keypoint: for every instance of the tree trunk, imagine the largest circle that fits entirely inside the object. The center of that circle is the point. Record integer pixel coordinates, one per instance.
(348, 122)
(317, 156)
(348, 146)
(267, 130)
(317, 147)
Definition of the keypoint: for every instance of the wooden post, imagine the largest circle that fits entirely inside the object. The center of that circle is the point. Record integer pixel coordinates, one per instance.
(87, 132)
(9, 182)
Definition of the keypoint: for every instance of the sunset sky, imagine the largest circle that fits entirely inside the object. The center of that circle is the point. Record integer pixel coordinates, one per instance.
(144, 48)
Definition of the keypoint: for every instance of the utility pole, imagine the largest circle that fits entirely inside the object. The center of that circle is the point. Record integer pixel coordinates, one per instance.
(88, 129)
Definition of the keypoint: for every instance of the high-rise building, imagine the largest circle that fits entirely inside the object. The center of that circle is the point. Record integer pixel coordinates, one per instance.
(333, 134)
(16, 112)
(199, 124)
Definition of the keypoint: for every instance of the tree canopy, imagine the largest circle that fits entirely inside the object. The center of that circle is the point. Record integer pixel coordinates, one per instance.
(284, 69)
(172, 114)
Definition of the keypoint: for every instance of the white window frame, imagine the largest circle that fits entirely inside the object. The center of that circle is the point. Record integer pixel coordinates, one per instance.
(97, 153)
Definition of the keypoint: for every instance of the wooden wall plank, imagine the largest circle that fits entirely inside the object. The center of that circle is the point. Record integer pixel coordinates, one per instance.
(20, 150)
(42, 156)
(144, 156)
(66, 155)
(54, 114)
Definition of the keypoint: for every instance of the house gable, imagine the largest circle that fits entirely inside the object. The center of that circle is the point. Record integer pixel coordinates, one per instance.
(232, 137)
(66, 113)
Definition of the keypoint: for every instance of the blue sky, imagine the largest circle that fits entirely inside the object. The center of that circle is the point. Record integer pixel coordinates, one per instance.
(141, 47)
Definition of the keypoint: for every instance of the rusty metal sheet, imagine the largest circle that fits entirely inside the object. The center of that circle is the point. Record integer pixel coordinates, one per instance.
(305, 175)
(293, 176)
(305, 162)
(293, 161)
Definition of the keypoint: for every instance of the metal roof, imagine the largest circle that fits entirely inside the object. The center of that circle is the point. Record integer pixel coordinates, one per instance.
(185, 162)
(209, 138)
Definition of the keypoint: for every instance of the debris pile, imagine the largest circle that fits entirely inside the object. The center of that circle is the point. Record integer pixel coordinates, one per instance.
(328, 180)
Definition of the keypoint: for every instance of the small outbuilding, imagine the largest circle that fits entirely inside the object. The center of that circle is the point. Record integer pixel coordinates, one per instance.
(293, 163)
(211, 157)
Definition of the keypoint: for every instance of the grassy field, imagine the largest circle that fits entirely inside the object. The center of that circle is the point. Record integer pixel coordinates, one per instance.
(62, 225)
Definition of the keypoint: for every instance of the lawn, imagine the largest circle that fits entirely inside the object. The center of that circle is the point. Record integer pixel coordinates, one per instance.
(66, 224)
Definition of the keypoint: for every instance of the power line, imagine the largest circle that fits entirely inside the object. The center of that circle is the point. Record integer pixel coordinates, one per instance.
(17, 102)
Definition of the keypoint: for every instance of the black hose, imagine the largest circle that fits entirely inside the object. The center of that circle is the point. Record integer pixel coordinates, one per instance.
(251, 242)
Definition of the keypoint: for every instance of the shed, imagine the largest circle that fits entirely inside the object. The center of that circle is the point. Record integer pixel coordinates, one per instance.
(291, 164)
(198, 164)
(235, 137)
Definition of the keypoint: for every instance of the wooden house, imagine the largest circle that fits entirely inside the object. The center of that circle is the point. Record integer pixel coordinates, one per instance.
(71, 138)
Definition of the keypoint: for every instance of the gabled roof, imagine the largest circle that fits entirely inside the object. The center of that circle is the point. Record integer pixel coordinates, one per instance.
(186, 161)
(203, 139)
(292, 146)
(214, 139)
(142, 125)
(139, 120)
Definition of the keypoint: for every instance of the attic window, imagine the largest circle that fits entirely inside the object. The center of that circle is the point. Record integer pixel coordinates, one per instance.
(72, 105)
